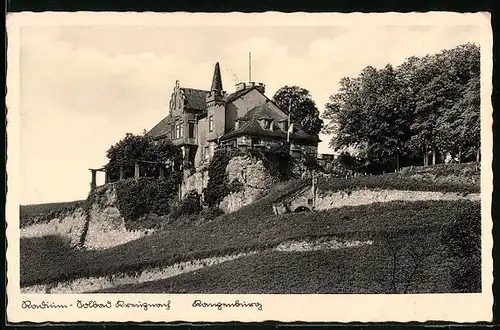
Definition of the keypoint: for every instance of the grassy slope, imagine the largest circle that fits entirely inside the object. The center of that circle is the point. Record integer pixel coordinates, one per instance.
(460, 178)
(364, 269)
(234, 232)
(39, 213)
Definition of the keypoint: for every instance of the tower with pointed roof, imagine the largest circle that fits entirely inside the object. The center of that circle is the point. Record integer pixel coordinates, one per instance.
(216, 106)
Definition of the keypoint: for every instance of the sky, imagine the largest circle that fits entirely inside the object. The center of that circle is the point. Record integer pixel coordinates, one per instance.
(83, 87)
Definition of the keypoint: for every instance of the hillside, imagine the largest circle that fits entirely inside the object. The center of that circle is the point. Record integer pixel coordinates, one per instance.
(47, 261)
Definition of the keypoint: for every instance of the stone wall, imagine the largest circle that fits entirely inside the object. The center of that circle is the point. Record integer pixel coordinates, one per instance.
(255, 178)
(328, 199)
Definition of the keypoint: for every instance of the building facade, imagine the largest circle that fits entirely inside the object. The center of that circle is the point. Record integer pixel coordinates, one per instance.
(199, 121)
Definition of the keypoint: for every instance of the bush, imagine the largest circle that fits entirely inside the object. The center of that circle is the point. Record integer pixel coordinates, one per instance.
(398, 181)
(462, 240)
(190, 205)
(210, 213)
(147, 195)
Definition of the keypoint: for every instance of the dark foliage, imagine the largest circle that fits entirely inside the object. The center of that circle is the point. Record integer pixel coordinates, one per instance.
(400, 116)
(303, 108)
(402, 181)
(147, 195)
(217, 186)
(210, 213)
(462, 240)
(134, 148)
(189, 205)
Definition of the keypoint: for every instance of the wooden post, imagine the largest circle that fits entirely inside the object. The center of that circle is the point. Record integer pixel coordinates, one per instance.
(93, 183)
(122, 173)
(137, 172)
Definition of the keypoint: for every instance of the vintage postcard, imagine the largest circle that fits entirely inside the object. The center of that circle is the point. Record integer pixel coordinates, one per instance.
(249, 167)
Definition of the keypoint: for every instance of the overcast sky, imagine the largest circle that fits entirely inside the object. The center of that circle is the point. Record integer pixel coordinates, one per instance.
(83, 87)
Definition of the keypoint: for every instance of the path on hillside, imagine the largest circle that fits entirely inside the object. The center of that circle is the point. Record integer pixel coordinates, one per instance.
(92, 284)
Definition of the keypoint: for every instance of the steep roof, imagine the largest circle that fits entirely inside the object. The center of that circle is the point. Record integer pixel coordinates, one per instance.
(195, 98)
(161, 129)
(216, 80)
(233, 96)
(249, 125)
(263, 111)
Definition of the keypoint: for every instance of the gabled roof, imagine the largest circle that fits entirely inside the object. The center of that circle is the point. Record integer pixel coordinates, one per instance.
(195, 98)
(263, 111)
(161, 129)
(233, 96)
(249, 125)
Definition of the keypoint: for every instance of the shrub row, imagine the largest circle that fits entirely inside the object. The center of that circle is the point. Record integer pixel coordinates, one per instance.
(397, 181)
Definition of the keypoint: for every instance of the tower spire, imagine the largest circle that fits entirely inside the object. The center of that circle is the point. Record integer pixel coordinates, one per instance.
(217, 80)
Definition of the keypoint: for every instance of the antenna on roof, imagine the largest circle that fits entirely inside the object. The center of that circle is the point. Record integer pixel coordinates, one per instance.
(235, 77)
(249, 66)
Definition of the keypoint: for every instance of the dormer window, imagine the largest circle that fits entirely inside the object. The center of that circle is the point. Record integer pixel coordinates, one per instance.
(266, 123)
(284, 126)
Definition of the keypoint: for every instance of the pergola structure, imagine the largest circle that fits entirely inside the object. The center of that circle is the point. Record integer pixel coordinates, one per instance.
(137, 171)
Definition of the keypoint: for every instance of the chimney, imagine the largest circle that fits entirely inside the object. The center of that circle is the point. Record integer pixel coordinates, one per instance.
(240, 86)
(261, 87)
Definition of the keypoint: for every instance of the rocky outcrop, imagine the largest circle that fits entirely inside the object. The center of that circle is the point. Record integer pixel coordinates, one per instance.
(100, 227)
(195, 181)
(254, 178)
(70, 226)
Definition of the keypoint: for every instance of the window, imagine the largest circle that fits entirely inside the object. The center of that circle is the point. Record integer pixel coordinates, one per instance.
(267, 124)
(255, 141)
(211, 123)
(191, 130)
(206, 152)
(178, 131)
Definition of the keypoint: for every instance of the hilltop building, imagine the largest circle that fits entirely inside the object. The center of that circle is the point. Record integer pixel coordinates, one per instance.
(199, 121)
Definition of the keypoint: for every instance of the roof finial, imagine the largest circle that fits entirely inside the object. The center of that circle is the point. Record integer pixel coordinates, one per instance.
(217, 80)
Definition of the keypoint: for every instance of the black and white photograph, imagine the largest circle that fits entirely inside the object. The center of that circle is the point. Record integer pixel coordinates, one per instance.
(232, 159)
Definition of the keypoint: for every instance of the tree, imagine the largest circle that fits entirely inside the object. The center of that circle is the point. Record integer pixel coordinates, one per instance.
(370, 113)
(427, 105)
(303, 108)
(134, 148)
